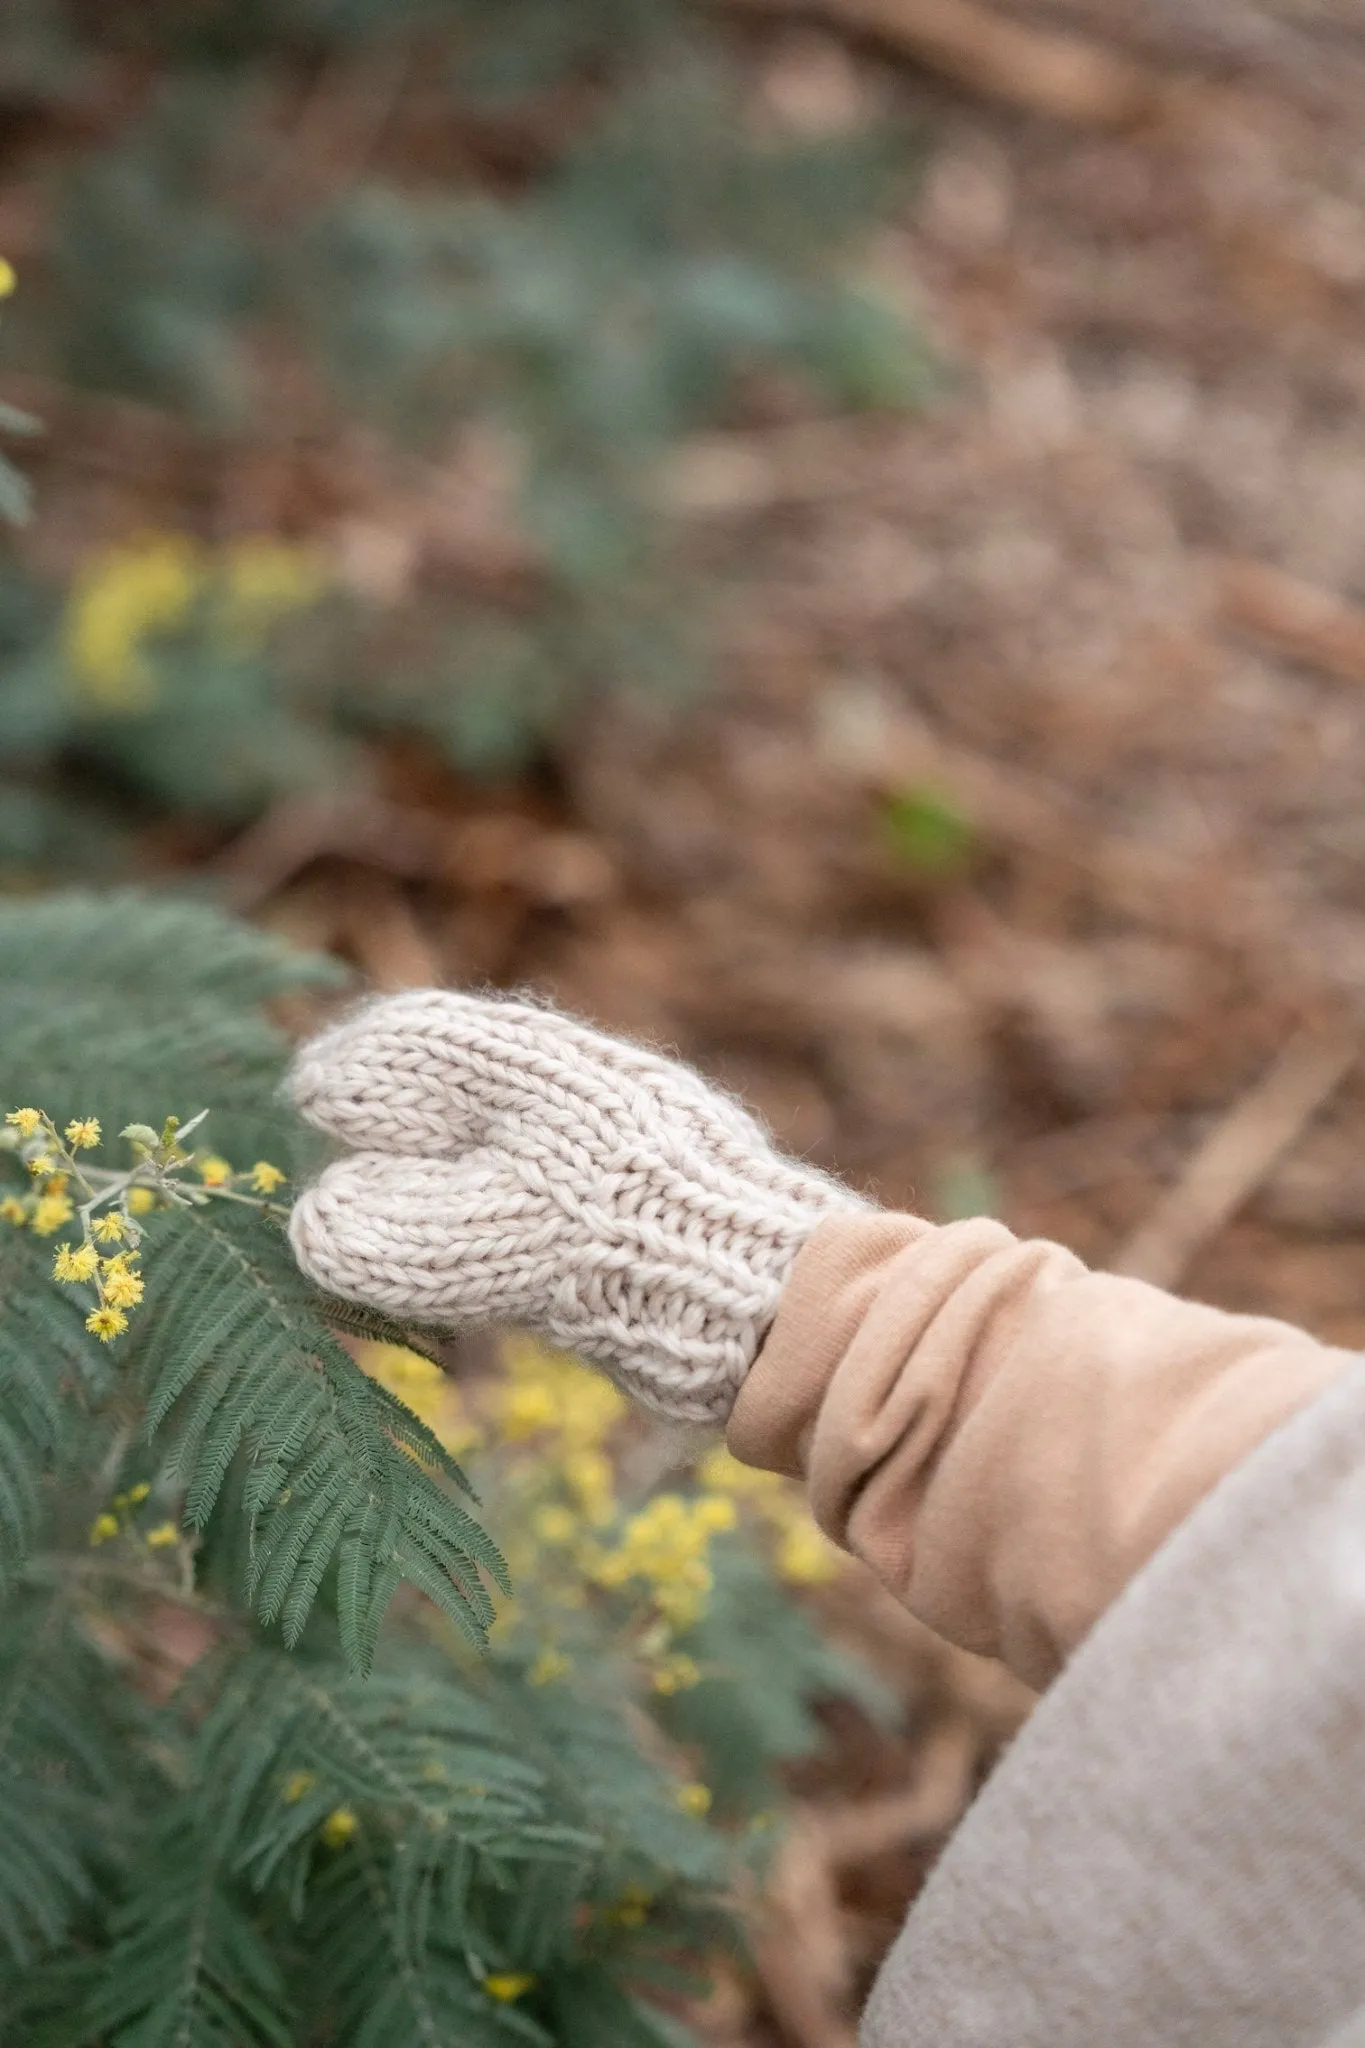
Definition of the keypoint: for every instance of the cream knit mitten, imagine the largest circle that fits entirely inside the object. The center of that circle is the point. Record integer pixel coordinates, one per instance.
(511, 1165)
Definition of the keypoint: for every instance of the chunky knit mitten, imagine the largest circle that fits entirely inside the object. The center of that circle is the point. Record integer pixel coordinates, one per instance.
(510, 1165)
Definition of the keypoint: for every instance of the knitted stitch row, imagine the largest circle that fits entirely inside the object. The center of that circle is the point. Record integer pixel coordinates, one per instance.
(513, 1165)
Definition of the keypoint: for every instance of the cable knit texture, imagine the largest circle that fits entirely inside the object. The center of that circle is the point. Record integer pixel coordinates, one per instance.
(512, 1165)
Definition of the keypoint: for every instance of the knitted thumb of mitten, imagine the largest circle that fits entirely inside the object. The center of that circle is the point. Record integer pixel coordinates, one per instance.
(510, 1165)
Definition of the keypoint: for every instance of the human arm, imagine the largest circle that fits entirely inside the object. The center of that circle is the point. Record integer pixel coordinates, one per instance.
(1004, 1436)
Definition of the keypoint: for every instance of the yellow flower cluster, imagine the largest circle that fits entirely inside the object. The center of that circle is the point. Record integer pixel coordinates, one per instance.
(110, 1201)
(117, 1284)
(548, 1392)
(338, 1827)
(631, 1909)
(423, 1387)
(802, 1554)
(49, 1165)
(566, 1539)
(125, 598)
(120, 1286)
(675, 1673)
(129, 596)
(570, 1412)
(508, 1985)
(552, 1420)
(549, 1664)
(117, 1520)
(73, 1266)
(666, 1545)
(47, 1206)
(51, 1210)
(217, 1174)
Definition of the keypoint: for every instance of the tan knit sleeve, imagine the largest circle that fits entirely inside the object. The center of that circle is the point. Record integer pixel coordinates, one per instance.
(1004, 1436)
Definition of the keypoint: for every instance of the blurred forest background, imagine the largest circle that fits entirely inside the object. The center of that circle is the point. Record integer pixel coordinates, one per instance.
(829, 535)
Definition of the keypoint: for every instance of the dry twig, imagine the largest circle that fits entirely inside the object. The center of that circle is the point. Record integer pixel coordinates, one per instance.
(1227, 1168)
(389, 945)
(860, 1829)
(1299, 620)
(303, 829)
(799, 1952)
(1064, 77)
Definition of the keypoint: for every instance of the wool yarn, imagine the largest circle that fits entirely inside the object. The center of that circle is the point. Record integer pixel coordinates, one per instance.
(510, 1164)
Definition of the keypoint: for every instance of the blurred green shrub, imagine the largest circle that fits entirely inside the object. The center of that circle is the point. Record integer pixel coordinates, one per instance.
(170, 677)
(559, 220)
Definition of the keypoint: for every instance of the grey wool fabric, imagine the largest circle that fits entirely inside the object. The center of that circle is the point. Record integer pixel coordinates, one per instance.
(1173, 1852)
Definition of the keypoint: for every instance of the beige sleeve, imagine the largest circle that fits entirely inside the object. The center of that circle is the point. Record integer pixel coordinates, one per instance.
(1003, 1435)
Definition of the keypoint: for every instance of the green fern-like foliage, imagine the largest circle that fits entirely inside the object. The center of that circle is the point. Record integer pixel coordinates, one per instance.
(229, 1359)
(126, 1002)
(340, 1474)
(262, 1784)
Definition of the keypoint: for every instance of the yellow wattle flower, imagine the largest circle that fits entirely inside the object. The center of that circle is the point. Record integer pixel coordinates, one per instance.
(507, 1985)
(422, 1386)
(339, 1826)
(122, 1289)
(805, 1555)
(550, 1664)
(50, 1212)
(124, 598)
(74, 1265)
(678, 1673)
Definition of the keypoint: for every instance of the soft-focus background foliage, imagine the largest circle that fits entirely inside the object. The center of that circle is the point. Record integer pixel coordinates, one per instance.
(533, 247)
(829, 536)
